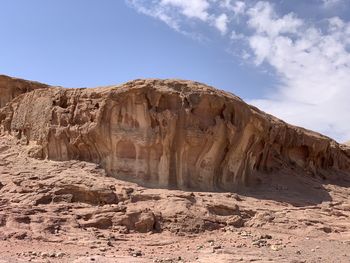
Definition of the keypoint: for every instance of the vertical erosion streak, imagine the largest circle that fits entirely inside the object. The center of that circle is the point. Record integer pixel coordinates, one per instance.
(180, 149)
(168, 129)
(176, 152)
(213, 156)
(220, 150)
(108, 120)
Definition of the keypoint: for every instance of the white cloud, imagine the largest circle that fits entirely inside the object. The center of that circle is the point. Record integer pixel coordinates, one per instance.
(236, 36)
(156, 12)
(265, 21)
(178, 13)
(238, 7)
(190, 8)
(221, 23)
(226, 4)
(310, 61)
(313, 67)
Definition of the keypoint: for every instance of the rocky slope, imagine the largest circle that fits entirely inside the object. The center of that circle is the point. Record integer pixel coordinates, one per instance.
(166, 133)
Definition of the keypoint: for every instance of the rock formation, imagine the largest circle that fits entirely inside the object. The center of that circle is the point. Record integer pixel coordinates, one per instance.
(165, 133)
(11, 88)
(66, 206)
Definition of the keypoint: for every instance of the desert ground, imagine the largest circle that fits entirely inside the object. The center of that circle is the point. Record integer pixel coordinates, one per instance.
(73, 212)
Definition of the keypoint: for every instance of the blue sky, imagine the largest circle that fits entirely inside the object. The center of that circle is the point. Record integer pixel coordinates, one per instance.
(90, 43)
(290, 58)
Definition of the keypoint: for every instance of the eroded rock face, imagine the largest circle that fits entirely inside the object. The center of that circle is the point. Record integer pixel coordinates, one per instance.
(12, 87)
(169, 133)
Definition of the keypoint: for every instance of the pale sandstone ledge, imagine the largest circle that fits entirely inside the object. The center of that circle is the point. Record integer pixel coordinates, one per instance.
(165, 133)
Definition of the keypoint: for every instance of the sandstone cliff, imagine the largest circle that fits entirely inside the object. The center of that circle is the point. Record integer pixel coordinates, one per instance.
(166, 133)
(12, 87)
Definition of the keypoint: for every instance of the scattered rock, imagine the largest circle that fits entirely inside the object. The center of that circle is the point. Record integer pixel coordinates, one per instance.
(235, 221)
(136, 253)
(276, 247)
(259, 243)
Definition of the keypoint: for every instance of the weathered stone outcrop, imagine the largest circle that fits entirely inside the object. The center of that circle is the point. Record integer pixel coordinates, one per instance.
(12, 87)
(169, 133)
